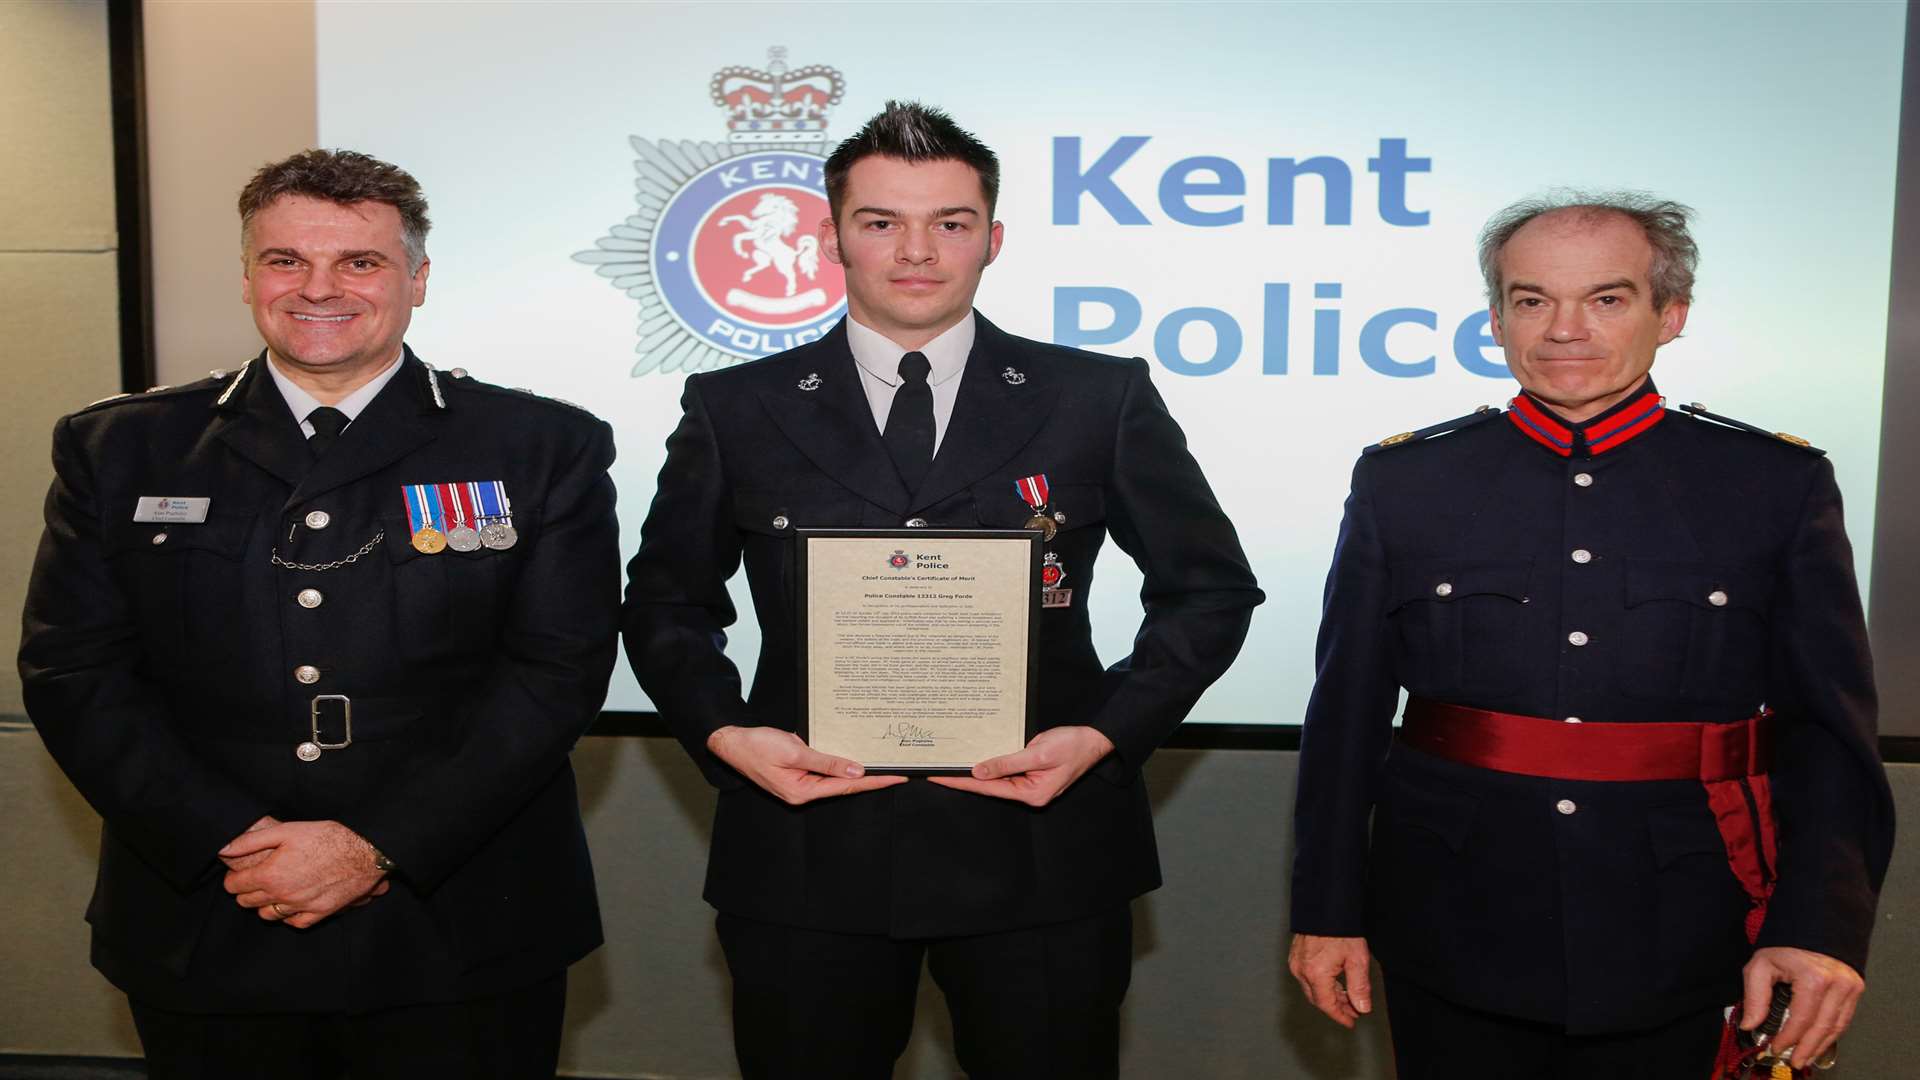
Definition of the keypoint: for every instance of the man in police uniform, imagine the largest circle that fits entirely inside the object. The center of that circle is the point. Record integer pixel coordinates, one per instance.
(1012, 884)
(1608, 616)
(315, 637)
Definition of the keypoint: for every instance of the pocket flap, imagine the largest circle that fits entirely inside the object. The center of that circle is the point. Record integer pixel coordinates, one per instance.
(224, 535)
(1446, 813)
(1001, 506)
(1450, 581)
(1701, 584)
(1681, 830)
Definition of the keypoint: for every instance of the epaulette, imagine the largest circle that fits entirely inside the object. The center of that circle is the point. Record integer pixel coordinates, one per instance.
(162, 389)
(517, 391)
(1479, 415)
(1699, 412)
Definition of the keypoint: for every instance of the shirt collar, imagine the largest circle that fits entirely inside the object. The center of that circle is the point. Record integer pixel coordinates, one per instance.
(879, 355)
(302, 403)
(1625, 421)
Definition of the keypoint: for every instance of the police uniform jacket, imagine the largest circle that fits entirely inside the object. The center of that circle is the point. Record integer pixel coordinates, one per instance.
(1645, 566)
(162, 665)
(789, 442)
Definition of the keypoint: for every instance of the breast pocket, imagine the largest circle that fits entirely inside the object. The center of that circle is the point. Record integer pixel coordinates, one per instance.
(184, 581)
(449, 604)
(1461, 624)
(1695, 631)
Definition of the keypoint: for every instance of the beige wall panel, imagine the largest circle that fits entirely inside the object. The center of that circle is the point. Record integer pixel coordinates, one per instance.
(61, 343)
(56, 172)
(230, 86)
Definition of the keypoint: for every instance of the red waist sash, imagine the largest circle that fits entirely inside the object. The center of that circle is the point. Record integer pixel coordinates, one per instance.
(1532, 746)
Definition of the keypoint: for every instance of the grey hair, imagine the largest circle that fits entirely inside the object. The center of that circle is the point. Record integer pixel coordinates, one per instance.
(1675, 255)
(344, 177)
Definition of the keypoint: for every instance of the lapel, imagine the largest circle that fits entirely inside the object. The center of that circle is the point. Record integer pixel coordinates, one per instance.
(255, 423)
(832, 424)
(992, 417)
(402, 417)
(253, 420)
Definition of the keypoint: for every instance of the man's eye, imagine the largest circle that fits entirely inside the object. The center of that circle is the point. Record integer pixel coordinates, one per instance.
(952, 226)
(1528, 302)
(1608, 301)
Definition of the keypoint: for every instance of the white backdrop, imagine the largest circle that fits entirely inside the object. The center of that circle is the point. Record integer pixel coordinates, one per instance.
(1775, 120)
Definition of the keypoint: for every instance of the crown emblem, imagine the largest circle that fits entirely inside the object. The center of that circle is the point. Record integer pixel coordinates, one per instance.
(774, 105)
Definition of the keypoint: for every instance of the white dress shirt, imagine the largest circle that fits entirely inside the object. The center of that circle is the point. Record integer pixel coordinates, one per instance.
(302, 403)
(878, 357)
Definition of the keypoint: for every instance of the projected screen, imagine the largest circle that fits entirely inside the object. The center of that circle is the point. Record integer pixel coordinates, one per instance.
(1276, 205)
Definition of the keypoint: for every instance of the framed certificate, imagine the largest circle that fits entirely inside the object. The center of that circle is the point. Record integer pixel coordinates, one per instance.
(917, 645)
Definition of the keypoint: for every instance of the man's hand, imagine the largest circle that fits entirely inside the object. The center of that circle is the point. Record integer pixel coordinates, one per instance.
(1825, 993)
(1037, 775)
(1333, 972)
(241, 862)
(312, 869)
(789, 769)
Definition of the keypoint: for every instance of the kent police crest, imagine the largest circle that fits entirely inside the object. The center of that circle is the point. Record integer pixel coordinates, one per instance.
(721, 254)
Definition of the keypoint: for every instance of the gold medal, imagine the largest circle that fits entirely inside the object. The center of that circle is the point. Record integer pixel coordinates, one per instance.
(428, 540)
(1044, 523)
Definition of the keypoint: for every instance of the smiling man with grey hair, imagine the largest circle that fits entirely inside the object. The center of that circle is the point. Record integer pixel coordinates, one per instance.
(1637, 779)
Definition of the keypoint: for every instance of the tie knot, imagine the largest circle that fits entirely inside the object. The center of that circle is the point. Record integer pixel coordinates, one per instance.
(914, 368)
(327, 422)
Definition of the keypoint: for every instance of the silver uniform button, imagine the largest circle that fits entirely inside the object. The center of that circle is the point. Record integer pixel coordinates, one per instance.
(780, 521)
(1583, 479)
(1060, 517)
(458, 373)
(1573, 719)
(307, 751)
(310, 598)
(1578, 637)
(1717, 598)
(307, 673)
(319, 519)
(1443, 589)
(1582, 556)
(158, 538)
(1565, 806)
(916, 523)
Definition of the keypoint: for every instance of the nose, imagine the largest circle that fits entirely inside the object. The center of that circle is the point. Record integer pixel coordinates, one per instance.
(1569, 323)
(916, 245)
(321, 284)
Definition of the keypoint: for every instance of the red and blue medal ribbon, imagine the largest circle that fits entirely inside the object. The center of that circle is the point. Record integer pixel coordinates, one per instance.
(1033, 490)
(424, 508)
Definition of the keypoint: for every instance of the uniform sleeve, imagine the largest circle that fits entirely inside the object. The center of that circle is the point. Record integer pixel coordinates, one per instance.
(1348, 727)
(677, 607)
(1198, 593)
(547, 684)
(1830, 792)
(104, 722)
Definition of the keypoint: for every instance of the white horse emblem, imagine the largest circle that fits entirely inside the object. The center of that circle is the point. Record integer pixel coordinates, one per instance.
(775, 219)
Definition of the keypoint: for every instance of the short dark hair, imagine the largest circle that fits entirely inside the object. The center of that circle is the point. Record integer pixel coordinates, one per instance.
(911, 131)
(345, 177)
(1675, 255)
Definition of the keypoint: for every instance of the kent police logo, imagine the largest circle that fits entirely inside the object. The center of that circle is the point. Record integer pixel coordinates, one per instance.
(721, 255)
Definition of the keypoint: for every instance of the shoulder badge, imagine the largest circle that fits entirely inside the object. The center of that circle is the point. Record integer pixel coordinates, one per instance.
(1479, 415)
(1699, 412)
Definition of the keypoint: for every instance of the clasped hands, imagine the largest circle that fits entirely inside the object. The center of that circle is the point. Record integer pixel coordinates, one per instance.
(301, 872)
(796, 773)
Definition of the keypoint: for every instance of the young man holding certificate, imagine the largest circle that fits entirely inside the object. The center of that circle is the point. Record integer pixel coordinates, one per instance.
(1012, 883)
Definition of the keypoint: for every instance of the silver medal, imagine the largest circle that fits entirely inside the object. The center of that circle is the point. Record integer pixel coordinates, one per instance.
(463, 538)
(498, 536)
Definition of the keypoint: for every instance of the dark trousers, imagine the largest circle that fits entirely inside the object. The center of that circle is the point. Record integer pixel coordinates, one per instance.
(515, 1036)
(1436, 1039)
(1040, 1003)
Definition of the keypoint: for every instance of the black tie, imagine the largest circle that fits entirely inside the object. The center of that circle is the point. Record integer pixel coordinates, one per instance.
(327, 423)
(909, 433)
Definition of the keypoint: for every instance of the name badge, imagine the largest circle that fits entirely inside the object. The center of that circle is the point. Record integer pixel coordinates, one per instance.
(178, 509)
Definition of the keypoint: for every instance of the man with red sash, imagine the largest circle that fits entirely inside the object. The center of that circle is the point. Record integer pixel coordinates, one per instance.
(1637, 778)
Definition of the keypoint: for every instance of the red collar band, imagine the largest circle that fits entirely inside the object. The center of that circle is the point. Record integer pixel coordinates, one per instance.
(1625, 425)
